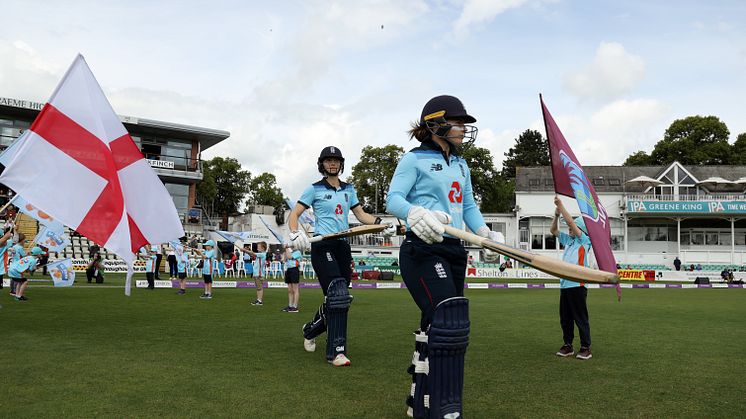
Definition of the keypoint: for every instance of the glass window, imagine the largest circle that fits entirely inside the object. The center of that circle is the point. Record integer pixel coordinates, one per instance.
(725, 238)
(685, 237)
(740, 238)
(180, 195)
(615, 182)
(636, 234)
(550, 242)
(711, 238)
(698, 238)
(536, 241)
(617, 242)
(599, 181)
(498, 227)
(534, 182)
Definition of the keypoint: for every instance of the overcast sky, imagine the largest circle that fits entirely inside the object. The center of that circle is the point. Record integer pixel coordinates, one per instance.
(287, 78)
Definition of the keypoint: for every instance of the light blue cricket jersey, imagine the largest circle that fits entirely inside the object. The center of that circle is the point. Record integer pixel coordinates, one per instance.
(261, 262)
(17, 252)
(576, 252)
(330, 205)
(294, 260)
(22, 265)
(208, 262)
(424, 178)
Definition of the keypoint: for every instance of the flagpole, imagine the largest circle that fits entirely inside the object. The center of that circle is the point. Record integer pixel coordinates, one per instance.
(8, 203)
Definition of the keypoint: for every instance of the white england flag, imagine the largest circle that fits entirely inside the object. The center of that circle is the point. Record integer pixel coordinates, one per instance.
(79, 165)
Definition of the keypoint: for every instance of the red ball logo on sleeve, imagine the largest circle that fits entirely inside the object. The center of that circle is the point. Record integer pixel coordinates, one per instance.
(455, 194)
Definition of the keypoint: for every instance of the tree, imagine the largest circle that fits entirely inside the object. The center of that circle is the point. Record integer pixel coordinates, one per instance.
(263, 190)
(488, 185)
(738, 152)
(223, 186)
(372, 175)
(694, 140)
(639, 158)
(531, 149)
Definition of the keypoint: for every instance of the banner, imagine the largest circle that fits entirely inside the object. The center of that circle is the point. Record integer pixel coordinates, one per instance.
(55, 241)
(631, 275)
(62, 272)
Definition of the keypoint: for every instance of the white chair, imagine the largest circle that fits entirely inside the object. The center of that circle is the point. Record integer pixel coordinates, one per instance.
(275, 269)
(215, 269)
(193, 269)
(240, 267)
(230, 271)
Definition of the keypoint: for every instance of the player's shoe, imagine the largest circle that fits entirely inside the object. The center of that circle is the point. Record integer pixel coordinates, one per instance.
(340, 360)
(309, 345)
(584, 353)
(181, 292)
(410, 412)
(257, 303)
(565, 351)
(286, 309)
(293, 309)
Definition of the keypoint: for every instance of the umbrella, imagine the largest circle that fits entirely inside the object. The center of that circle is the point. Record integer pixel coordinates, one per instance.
(644, 181)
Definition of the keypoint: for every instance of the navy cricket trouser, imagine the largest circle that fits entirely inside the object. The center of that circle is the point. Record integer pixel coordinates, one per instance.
(574, 310)
(432, 272)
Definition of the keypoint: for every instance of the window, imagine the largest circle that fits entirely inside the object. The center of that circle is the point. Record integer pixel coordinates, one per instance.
(498, 227)
(698, 238)
(685, 238)
(534, 182)
(615, 182)
(725, 238)
(711, 238)
(599, 181)
(548, 182)
(180, 195)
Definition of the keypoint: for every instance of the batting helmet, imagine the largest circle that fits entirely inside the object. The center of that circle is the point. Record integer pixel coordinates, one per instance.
(330, 152)
(446, 107)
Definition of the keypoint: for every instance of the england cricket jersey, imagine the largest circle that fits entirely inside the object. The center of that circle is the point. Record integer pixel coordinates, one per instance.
(576, 252)
(330, 205)
(425, 178)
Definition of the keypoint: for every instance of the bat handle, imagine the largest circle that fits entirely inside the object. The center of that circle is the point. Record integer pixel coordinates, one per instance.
(464, 235)
(315, 239)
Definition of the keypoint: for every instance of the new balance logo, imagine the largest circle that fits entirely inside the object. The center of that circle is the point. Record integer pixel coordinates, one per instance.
(436, 167)
(440, 271)
(328, 196)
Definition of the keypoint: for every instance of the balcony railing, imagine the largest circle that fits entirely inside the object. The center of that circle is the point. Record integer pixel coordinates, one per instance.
(711, 197)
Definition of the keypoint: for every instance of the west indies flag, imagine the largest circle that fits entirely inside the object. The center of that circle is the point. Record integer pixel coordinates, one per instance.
(78, 164)
(570, 180)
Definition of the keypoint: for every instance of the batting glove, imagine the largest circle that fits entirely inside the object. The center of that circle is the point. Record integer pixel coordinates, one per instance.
(426, 224)
(495, 236)
(299, 241)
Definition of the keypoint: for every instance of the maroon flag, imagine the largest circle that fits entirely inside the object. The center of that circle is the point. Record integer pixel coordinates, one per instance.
(570, 180)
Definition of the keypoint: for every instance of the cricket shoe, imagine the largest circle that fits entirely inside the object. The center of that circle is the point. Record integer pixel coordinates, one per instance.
(309, 345)
(181, 292)
(565, 351)
(584, 353)
(293, 309)
(257, 303)
(340, 361)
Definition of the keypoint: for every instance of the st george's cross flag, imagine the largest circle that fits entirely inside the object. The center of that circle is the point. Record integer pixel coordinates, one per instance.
(570, 180)
(79, 165)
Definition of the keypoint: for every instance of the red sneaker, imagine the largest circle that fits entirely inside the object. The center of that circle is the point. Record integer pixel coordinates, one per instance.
(565, 351)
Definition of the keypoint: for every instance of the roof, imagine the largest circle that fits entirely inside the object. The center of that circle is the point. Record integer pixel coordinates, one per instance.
(611, 179)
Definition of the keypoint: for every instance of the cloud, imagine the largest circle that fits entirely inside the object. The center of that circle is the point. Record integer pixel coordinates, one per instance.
(613, 72)
(24, 73)
(476, 12)
(611, 134)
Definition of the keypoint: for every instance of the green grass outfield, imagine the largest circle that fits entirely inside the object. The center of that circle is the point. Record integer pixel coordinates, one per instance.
(89, 351)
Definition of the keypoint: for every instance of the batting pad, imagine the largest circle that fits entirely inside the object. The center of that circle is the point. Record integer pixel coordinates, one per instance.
(448, 338)
(338, 300)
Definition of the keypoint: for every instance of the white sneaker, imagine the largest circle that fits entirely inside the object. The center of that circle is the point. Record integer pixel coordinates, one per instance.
(309, 345)
(340, 361)
(410, 412)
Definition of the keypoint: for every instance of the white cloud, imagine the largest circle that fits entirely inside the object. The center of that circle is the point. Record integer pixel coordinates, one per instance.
(613, 72)
(610, 135)
(476, 12)
(24, 73)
